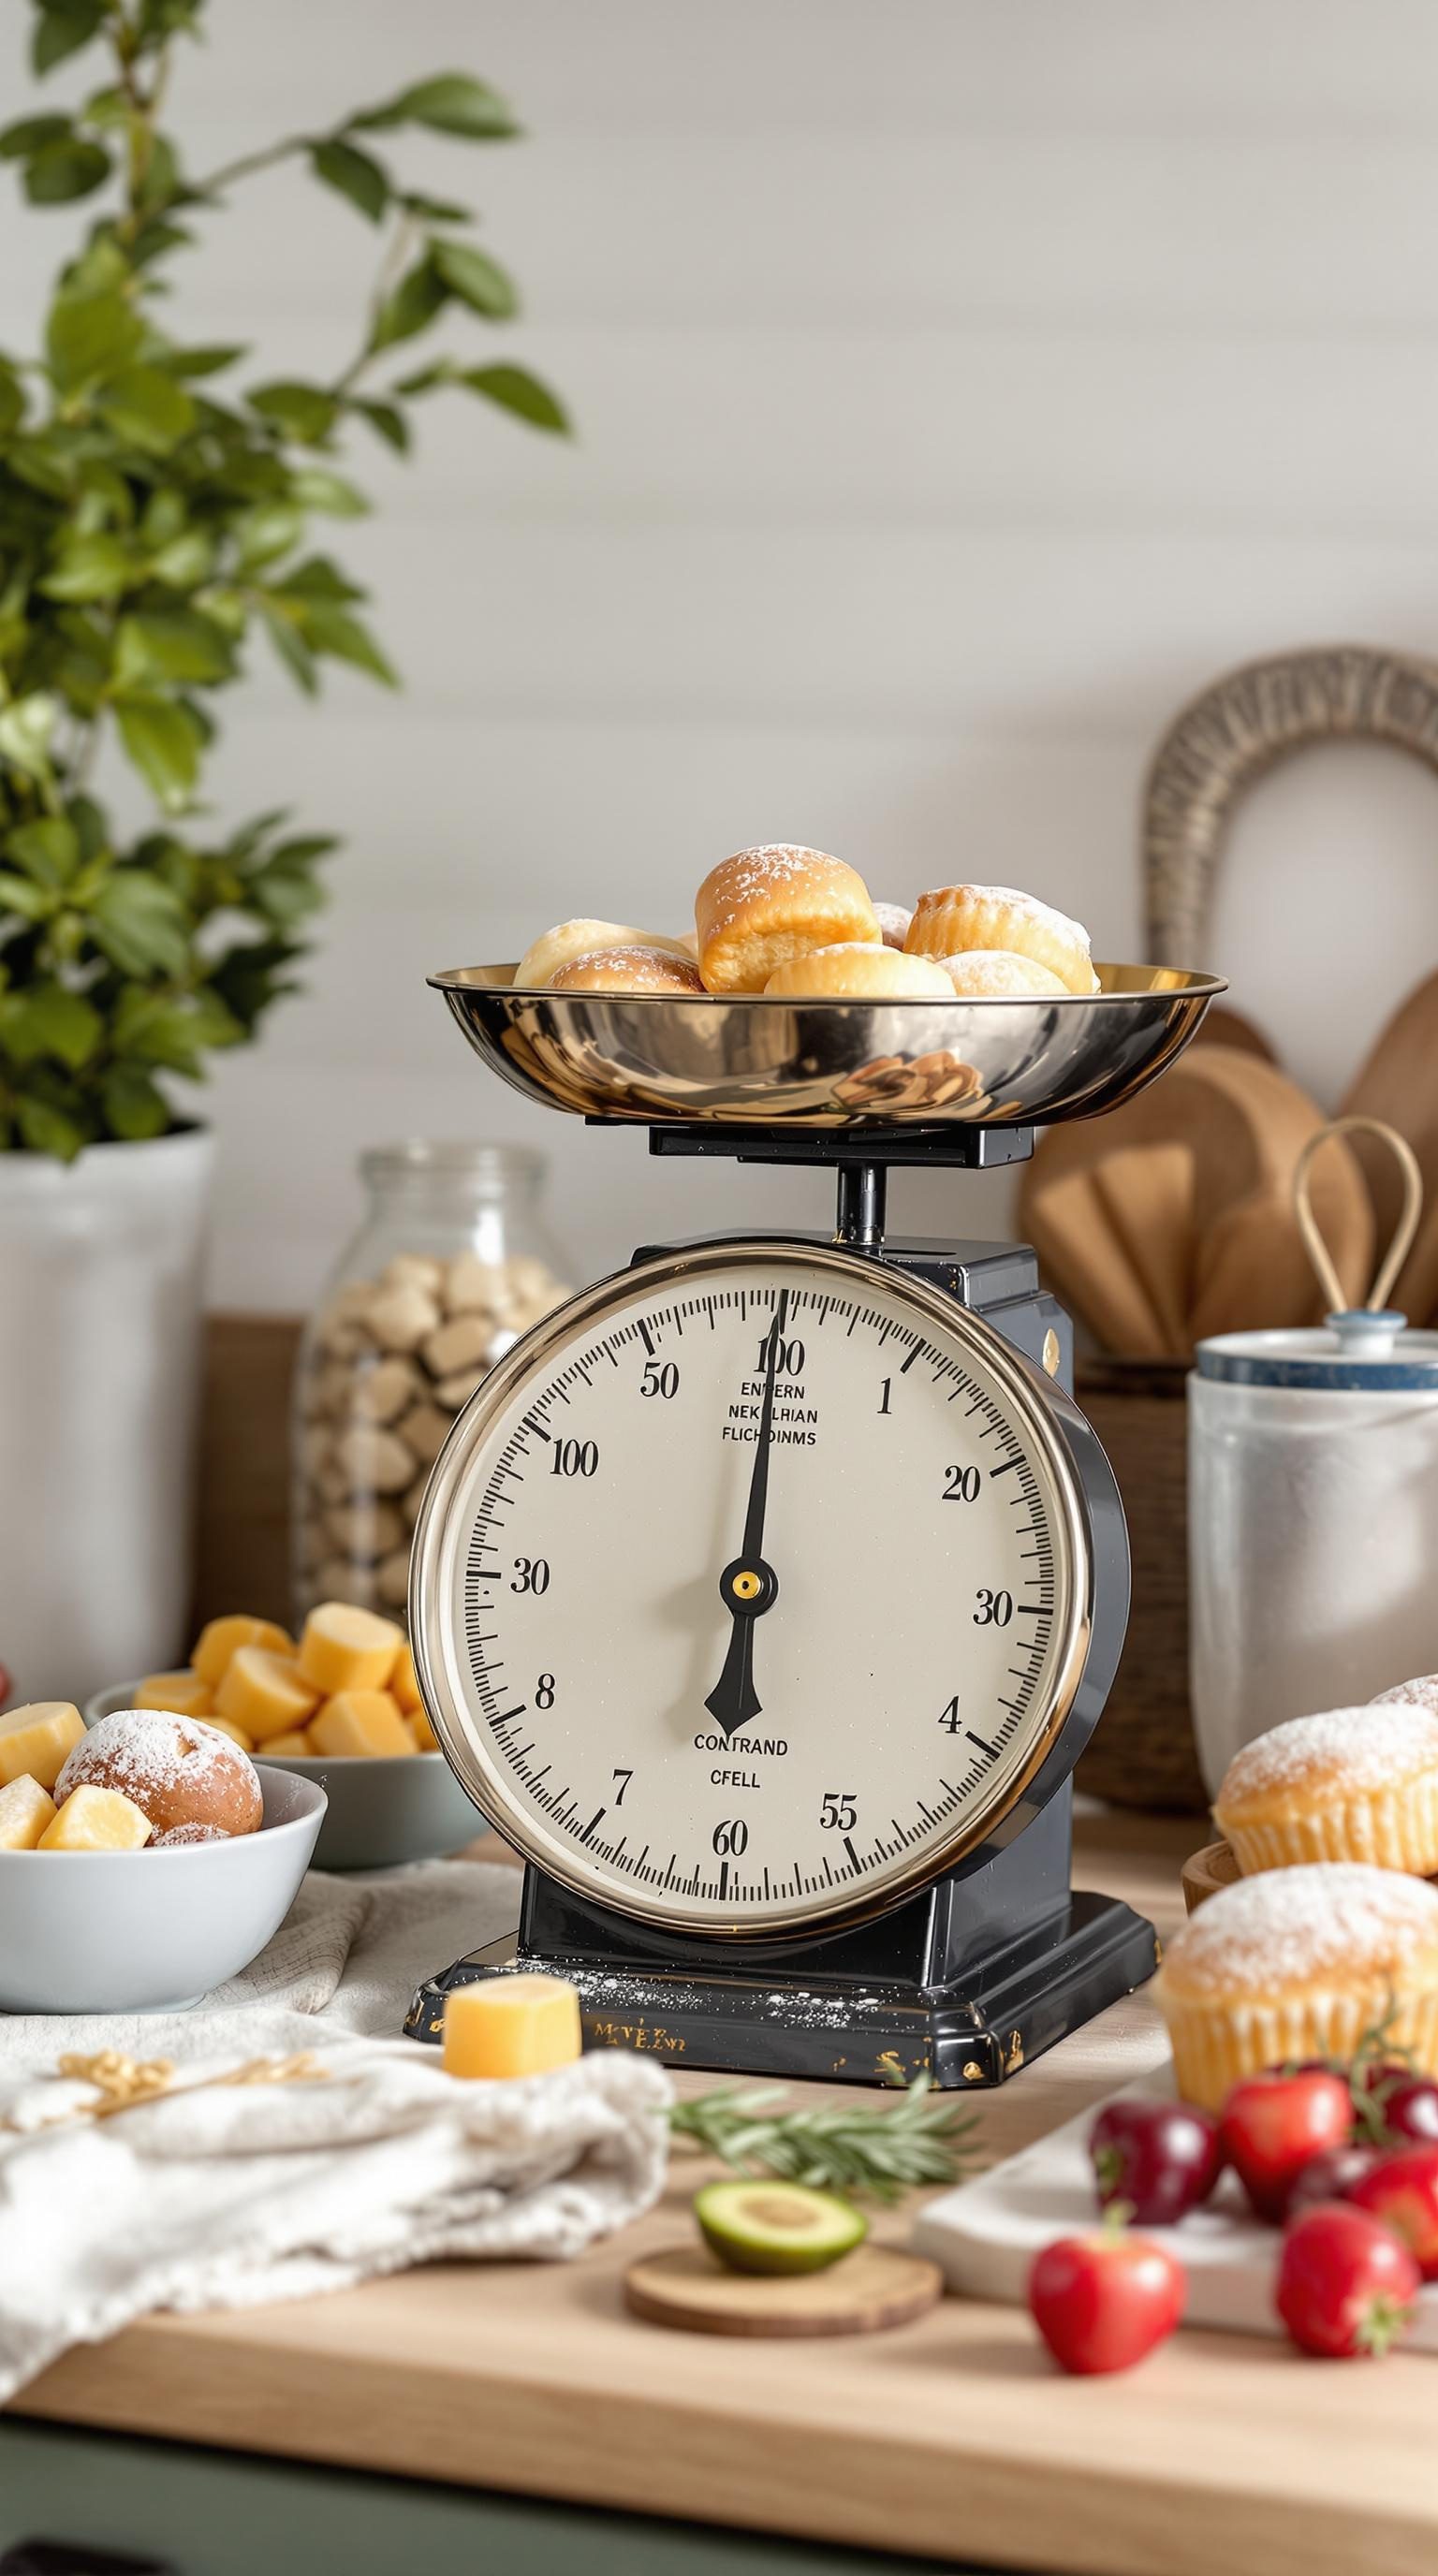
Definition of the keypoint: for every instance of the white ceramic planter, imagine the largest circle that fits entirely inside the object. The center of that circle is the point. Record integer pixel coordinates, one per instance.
(101, 1265)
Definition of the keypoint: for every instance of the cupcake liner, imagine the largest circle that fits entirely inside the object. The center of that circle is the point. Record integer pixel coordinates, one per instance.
(1218, 2042)
(1391, 1828)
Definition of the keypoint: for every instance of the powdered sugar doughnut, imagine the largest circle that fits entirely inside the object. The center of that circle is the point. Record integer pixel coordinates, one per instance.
(179, 1834)
(622, 969)
(957, 917)
(893, 920)
(855, 970)
(982, 973)
(542, 961)
(176, 1770)
(761, 907)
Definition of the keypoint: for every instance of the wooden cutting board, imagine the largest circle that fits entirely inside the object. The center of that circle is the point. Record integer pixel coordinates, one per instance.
(872, 2288)
(1239, 1262)
(1399, 1083)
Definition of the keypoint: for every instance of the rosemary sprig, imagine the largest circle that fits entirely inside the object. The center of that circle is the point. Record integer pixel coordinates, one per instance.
(862, 2152)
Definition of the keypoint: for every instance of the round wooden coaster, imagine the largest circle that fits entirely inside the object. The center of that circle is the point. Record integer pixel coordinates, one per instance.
(870, 2289)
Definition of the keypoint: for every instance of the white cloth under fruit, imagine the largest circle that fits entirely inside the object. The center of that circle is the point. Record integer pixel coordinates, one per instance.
(367, 2158)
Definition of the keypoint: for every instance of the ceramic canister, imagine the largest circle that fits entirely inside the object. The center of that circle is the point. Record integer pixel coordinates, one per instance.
(1313, 1523)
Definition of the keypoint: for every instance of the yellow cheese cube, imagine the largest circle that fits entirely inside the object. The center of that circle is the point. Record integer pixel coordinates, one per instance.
(25, 1811)
(37, 1739)
(282, 1748)
(182, 1694)
(403, 1683)
(345, 1649)
(264, 1693)
(96, 1820)
(425, 1738)
(511, 2025)
(220, 1641)
(236, 1734)
(360, 1721)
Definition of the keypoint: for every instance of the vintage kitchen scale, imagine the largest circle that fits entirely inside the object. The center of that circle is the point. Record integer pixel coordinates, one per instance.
(766, 1594)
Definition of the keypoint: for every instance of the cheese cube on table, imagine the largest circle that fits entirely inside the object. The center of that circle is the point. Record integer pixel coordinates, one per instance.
(264, 1693)
(25, 1811)
(220, 1641)
(356, 1722)
(511, 2025)
(96, 1820)
(344, 1649)
(181, 1694)
(37, 1740)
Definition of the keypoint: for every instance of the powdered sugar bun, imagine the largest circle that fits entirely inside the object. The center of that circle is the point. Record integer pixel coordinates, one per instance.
(622, 969)
(957, 917)
(542, 961)
(854, 970)
(985, 974)
(893, 920)
(761, 907)
(176, 1770)
(1351, 1784)
(1299, 1963)
(179, 1835)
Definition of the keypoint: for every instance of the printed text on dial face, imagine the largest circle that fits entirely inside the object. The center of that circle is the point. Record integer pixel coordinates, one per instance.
(903, 1670)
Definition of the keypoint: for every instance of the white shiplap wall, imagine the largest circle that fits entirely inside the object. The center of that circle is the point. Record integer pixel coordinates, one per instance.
(961, 384)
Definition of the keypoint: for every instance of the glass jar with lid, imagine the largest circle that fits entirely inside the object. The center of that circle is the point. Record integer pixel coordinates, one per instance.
(452, 1263)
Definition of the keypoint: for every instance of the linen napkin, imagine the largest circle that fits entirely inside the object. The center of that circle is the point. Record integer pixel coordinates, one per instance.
(292, 2144)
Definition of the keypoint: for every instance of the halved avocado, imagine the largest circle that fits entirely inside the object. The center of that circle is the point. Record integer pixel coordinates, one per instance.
(777, 2226)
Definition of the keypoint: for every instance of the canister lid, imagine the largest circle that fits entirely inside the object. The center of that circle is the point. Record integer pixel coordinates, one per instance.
(1371, 1352)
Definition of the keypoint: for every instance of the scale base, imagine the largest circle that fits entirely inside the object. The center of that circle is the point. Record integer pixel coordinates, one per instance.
(1007, 2009)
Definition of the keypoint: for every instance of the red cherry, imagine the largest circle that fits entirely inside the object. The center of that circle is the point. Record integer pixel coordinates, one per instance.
(1346, 2284)
(1102, 2301)
(1409, 2109)
(1273, 2124)
(1160, 2159)
(1330, 2176)
(1402, 2191)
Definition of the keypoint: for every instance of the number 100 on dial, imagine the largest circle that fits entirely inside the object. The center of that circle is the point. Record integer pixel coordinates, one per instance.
(752, 1588)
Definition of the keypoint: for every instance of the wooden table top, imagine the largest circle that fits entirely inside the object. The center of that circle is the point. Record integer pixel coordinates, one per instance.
(953, 2438)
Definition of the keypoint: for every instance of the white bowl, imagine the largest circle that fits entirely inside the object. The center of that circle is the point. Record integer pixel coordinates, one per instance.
(383, 1809)
(147, 1931)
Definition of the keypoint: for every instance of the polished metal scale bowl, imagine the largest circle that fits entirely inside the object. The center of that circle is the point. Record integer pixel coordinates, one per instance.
(831, 1064)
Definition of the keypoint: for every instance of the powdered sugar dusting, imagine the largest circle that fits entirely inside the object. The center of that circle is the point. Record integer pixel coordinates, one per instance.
(144, 1752)
(1421, 1692)
(1289, 1926)
(1341, 1750)
(760, 871)
(1011, 897)
(636, 970)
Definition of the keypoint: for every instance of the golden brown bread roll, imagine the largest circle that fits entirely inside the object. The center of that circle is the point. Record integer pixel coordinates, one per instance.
(761, 907)
(176, 1770)
(957, 917)
(631, 969)
(854, 971)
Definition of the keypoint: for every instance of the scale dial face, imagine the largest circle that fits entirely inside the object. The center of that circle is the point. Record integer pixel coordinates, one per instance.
(751, 1589)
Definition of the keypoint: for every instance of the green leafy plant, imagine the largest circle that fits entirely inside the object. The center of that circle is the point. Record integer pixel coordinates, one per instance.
(154, 519)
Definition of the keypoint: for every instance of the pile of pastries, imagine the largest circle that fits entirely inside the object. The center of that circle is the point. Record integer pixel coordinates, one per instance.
(1332, 1929)
(795, 924)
